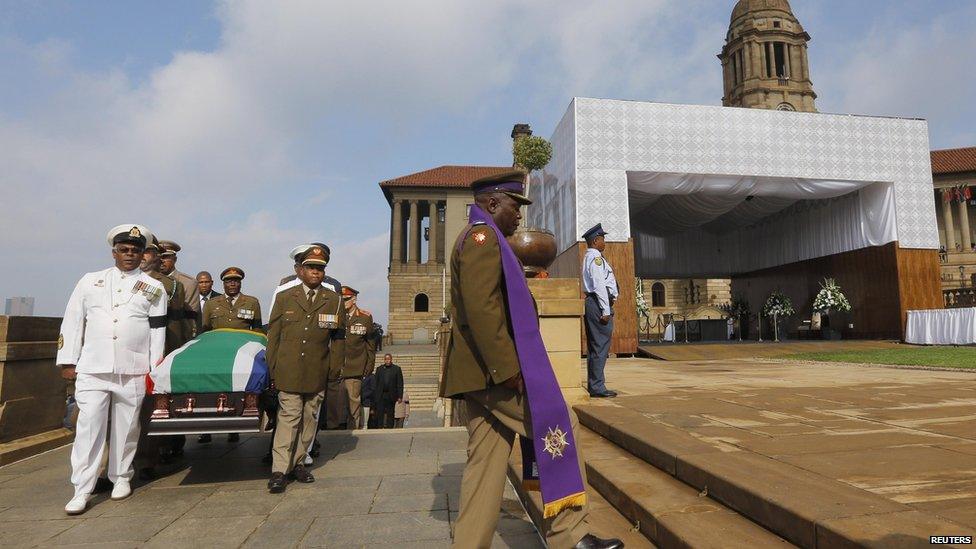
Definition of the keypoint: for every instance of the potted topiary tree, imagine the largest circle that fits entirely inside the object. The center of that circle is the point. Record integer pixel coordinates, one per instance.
(535, 247)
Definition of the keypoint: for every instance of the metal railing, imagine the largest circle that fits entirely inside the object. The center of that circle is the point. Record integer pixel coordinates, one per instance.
(958, 298)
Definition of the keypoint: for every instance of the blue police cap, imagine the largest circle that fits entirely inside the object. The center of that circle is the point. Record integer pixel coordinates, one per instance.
(595, 231)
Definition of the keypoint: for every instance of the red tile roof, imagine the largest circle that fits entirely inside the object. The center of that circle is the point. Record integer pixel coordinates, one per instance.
(954, 161)
(444, 176)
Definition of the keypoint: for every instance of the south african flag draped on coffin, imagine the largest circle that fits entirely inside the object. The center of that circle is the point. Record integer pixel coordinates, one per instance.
(219, 361)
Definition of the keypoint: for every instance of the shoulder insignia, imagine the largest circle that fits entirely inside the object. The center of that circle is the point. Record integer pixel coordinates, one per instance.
(364, 312)
(480, 237)
(598, 261)
(60, 341)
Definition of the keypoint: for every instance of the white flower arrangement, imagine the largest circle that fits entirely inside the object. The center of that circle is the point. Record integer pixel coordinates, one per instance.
(778, 304)
(642, 308)
(830, 298)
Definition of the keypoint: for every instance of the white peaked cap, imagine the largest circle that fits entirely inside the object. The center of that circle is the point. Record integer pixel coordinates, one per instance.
(300, 249)
(126, 228)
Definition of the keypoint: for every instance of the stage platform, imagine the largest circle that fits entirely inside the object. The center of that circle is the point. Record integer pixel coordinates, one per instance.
(725, 350)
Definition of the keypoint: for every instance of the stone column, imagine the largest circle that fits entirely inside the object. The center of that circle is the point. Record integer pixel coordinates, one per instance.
(786, 59)
(967, 239)
(413, 242)
(950, 229)
(396, 235)
(432, 243)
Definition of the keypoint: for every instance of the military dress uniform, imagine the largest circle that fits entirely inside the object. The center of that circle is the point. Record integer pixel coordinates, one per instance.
(360, 357)
(481, 355)
(112, 332)
(190, 288)
(600, 287)
(304, 345)
(241, 312)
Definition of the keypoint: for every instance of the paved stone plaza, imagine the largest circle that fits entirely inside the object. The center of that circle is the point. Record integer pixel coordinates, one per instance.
(378, 488)
(908, 436)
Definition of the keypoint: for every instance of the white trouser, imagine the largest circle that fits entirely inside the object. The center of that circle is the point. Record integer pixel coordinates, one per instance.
(364, 420)
(100, 396)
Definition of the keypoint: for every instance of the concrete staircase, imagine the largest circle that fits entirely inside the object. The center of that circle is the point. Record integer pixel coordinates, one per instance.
(682, 491)
(421, 370)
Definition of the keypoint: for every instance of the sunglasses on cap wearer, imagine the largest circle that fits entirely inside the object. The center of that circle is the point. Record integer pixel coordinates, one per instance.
(120, 249)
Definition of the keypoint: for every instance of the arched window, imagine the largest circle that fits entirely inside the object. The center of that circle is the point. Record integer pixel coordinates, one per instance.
(421, 304)
(785, 107)
(657, 295)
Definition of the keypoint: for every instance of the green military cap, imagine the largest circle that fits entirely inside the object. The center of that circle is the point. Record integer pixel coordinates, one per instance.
(511, 182)
(168, 247)
(232, 272)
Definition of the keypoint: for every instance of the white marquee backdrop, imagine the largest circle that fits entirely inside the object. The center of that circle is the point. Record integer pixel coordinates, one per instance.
(599, 140)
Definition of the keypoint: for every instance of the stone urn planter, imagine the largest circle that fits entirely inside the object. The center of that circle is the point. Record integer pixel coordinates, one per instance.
(536, 249)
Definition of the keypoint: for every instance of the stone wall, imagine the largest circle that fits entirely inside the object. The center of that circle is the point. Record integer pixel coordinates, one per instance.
(32, 393)
(404, 322)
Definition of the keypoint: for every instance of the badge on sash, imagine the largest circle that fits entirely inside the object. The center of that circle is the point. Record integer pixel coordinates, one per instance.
(328, 322)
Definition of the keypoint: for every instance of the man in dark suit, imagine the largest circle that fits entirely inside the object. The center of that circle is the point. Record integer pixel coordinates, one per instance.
(388, 391)
(205, 284)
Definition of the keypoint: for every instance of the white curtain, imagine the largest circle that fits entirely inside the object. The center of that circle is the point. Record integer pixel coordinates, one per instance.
(942, 327)
(717, 225)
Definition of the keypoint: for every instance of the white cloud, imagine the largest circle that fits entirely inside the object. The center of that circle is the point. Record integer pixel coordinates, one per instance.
(925, 70)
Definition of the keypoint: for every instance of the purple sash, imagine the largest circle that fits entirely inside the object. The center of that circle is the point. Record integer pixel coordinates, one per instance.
(552, 451)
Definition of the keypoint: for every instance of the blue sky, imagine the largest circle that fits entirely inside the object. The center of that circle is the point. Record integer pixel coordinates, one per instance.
(242, 129)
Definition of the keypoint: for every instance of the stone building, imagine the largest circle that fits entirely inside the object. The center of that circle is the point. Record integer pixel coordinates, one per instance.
(428, 210)
(764, 60)
(954, 182)
(692, 298)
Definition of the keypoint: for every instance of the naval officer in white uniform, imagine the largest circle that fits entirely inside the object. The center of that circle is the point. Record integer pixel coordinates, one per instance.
(113, 330)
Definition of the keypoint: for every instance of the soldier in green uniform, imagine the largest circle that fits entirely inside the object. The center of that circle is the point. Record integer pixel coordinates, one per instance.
(360, 353)
(178, 332)
(233, 309)
(482, 366)
(305, 343)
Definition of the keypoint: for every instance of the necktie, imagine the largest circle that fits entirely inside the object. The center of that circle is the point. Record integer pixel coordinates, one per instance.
(311, 296)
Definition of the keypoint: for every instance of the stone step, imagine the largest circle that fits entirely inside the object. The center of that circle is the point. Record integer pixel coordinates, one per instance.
(805, 508)
(667, 511)
(604, 520)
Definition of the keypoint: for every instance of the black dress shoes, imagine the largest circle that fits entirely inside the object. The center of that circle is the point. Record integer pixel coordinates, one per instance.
(590, 541)
(277, 483)
(604, 394)
(301, 474)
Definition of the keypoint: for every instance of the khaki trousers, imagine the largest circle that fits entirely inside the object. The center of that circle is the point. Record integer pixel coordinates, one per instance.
(354, 387)
(296, 428)
(495, 416)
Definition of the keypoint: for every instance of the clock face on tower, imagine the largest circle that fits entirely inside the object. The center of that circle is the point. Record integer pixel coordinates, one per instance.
(785, 107)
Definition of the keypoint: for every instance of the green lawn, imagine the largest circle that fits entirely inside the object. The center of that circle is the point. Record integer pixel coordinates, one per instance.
(950, 357)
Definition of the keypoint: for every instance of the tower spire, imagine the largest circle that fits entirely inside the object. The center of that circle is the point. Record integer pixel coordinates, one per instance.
(764, 60)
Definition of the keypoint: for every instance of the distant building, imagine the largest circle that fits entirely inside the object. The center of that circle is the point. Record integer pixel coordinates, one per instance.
(19, 306)
(428, 210)
(954, 179)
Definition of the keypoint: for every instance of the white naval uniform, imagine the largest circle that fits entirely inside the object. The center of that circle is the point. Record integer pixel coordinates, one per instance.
(112, 332)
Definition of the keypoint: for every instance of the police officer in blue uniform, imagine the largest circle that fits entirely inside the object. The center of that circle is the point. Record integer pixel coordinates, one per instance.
(601, 290)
